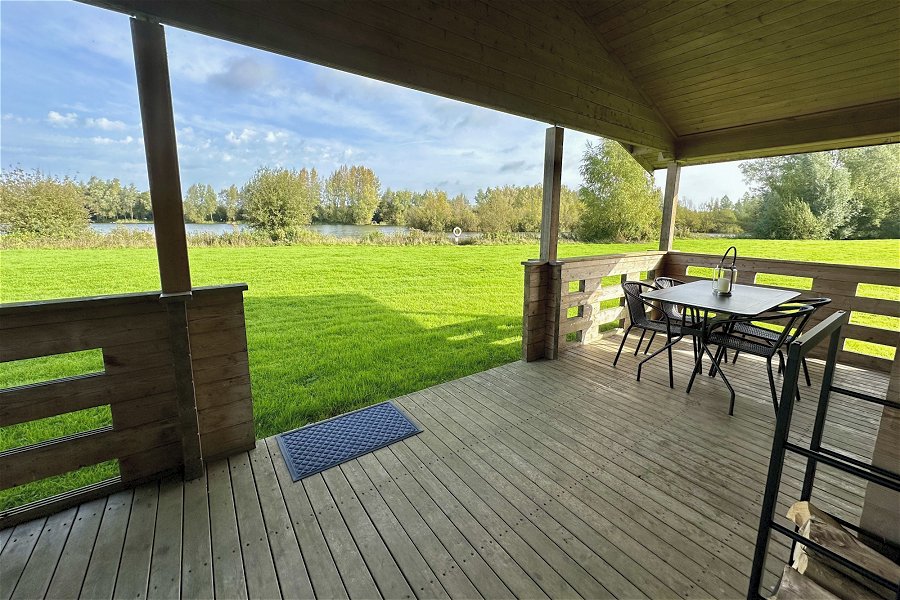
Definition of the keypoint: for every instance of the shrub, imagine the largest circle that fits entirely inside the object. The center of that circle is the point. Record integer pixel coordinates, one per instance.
(34, 204)
(278, 201)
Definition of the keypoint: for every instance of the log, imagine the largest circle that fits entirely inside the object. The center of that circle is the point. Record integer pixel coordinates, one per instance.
(801, 512)
(834, 581)
(839, 541)
(794, 586)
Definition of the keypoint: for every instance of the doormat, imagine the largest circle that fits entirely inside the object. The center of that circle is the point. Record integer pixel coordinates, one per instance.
(319, 446)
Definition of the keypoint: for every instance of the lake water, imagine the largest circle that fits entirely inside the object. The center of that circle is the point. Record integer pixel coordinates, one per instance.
(341, 231)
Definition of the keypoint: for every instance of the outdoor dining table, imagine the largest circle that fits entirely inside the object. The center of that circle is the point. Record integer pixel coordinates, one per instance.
(698, 298)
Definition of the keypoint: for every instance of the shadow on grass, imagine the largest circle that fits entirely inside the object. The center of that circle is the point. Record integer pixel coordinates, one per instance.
(313, 357)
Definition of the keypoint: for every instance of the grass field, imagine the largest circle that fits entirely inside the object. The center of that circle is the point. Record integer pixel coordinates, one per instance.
(334, 328)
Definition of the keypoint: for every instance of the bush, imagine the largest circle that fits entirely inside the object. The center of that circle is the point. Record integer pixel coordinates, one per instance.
(792, 220)
(278, 201)
(38, 205)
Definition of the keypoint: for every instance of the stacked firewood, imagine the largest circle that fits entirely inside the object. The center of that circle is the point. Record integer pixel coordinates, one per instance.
(815, 576)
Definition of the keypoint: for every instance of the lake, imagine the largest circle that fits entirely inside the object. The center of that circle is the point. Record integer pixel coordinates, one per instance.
(341, 231)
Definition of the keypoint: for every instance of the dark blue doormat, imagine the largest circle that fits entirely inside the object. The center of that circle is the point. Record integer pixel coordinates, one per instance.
(322, 445)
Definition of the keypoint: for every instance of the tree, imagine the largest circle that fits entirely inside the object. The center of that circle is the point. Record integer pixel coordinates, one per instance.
(496, 209)
(620, 200)
(278, 201)
(818, 179)
(195, 203)
(229, 201)
(40, 205)
(461, 214)
(103, 198)
(351, 196)
(875, 187)
(393, 206)
(432, 212)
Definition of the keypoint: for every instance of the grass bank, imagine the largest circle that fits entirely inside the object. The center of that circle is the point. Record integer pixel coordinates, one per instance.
(335, 328)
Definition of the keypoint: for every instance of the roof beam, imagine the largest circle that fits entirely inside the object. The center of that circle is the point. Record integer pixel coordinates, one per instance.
(865, 125)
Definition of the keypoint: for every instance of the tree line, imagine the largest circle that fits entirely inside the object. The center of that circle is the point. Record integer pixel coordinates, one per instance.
(840, 194)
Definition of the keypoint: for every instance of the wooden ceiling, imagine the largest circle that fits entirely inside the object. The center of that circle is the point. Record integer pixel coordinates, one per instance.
(690, 80)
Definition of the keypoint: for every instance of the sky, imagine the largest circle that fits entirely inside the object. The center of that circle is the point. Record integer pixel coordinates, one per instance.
(69, 107)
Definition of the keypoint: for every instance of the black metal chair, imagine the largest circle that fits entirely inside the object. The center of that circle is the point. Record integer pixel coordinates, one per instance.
(770, 336)
(792, 315)
(675, 313)
(637, 316)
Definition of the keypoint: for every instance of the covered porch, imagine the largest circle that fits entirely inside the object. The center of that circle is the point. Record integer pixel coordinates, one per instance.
(557, 475)
(558, 478)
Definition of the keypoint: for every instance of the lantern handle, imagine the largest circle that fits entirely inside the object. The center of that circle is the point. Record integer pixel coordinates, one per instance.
(725, 256)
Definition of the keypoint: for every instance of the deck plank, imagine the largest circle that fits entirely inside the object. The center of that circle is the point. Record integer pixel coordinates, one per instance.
(165, 564)
(76, 554)
(100, 580)
(196, 544)
(228, 569)
(407, 556)
(16, 553)
(293, 577)
(259, 567)
(323, 573)
(356, 576)
(134, 567)
(42, 563)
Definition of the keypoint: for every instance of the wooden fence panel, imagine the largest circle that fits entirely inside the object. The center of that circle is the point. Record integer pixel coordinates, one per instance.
(137, 383)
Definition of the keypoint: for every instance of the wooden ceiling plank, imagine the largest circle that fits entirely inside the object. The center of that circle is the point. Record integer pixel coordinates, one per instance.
(673, 49)
(674, 16)
(796, 81)
(795, 105)
(664, 10)
(634, 11)
(859, 125)
(862, 50)
(475, 42)
(599, 8)
(776, 45)
(753, 41)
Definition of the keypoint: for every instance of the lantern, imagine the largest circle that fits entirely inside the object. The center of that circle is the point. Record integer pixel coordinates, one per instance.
(724, 276)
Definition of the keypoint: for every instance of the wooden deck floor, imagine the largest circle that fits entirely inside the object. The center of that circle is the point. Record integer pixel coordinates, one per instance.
(559, 479)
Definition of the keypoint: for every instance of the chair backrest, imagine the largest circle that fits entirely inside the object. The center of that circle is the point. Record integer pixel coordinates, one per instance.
(667, 282)
(793, 314)
(637, 306)
(799, 303)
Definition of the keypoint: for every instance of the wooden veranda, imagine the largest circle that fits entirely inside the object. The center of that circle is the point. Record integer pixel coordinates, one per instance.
(551, 478)
(557, 475)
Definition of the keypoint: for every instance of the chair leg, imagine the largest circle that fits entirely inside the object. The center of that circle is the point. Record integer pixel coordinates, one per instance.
(647, 349)
(780, 362)
(719, 354)
(772, 384)
(668, 346)
(698, 368)
(671, 370)
(806, 372)
(640, 341)
(622, 345)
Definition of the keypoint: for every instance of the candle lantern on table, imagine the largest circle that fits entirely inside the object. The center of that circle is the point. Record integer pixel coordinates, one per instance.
(724, 275)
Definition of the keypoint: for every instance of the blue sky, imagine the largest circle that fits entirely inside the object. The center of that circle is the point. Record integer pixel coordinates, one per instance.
(69, 106)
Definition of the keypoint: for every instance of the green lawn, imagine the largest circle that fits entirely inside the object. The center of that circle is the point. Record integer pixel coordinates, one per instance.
(334, 328)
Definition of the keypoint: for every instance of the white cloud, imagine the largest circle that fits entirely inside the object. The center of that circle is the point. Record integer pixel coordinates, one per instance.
(245, 136)
(274, 136)
(59, 120)
(105, 124)
(105, 141)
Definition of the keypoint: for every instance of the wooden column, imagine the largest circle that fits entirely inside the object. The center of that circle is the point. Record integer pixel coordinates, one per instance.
(553, 152)
(154, 92)
(670, 205)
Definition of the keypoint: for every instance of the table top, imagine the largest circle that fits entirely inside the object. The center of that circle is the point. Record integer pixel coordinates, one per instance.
(745, 300)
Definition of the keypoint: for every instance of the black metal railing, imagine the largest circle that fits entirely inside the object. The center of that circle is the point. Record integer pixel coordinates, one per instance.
(829, 329)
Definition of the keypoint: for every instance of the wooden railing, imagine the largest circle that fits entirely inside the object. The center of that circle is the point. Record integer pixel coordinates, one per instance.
(573, 301)
(570, 301)
(137, 383)
(841, 283)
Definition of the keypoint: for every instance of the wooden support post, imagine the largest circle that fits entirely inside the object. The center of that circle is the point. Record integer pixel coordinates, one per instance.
(154, 92)
(553, 152)
(670, 205)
